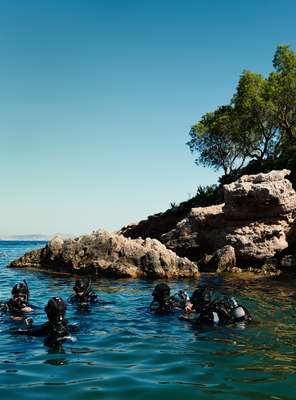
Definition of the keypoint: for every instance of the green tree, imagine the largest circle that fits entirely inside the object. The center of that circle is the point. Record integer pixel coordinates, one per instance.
(258, 131)
(282, 89)
(213, 139)
(259, 124)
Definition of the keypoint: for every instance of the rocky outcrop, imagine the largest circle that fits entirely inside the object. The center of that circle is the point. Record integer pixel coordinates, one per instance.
(155, 225)
(158, 224)
(222, 260)
(257, 220)
(255, 224)
(109, 254)
(259, 196)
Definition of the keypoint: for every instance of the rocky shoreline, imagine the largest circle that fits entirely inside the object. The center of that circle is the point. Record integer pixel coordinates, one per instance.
(254, 229)
(111, 255)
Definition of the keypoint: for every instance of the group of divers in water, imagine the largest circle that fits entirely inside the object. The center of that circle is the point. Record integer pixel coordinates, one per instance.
(203, 308)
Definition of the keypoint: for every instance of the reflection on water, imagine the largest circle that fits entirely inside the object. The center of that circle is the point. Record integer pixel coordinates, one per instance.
(124, 351)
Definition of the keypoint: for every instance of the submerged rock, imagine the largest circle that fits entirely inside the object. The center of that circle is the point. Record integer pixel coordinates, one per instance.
(109, 254)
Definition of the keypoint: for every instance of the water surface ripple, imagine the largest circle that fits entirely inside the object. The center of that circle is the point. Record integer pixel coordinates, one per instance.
(123, 351)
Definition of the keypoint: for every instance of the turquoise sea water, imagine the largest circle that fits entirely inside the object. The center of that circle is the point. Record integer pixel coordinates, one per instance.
(122, 351)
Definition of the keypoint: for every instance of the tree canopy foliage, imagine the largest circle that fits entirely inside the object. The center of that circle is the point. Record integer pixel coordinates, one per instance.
(257, 127)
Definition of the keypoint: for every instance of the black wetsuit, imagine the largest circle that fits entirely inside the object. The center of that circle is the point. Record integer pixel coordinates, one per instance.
(170, 304)
(13, 308)
(89, 298)
(222, 312)
(54, 333)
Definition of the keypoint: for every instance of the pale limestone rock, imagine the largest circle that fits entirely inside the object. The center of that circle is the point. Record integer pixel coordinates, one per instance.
(259, 196)
(259, 240)
(224, 259)
(257, 220)
(56, 245)
(110, 254)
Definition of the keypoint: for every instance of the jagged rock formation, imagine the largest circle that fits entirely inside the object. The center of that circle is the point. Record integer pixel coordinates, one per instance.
(155, 225)
(109, 254)
(257, 220)
(222, 260)
(259, 196)
(256, 223)
(158, 224)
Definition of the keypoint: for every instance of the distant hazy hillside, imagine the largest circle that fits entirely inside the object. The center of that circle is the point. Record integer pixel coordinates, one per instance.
(26, 237)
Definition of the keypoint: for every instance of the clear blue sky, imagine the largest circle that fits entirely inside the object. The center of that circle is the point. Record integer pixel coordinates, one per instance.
(97, 99)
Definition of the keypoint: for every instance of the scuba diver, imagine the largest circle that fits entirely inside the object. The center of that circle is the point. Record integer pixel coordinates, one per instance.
(163, 302)
(18, 304)
(83, 293)
(56, 330)
(212, 311)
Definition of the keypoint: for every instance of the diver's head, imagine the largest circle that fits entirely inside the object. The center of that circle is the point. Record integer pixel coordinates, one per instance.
(201, 298)
(56, 310)
(19, 294)
(161, 292)
(80, 288)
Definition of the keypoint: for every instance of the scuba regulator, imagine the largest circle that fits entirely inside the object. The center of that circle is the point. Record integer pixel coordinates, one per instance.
(82, 289)
(20, 294)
